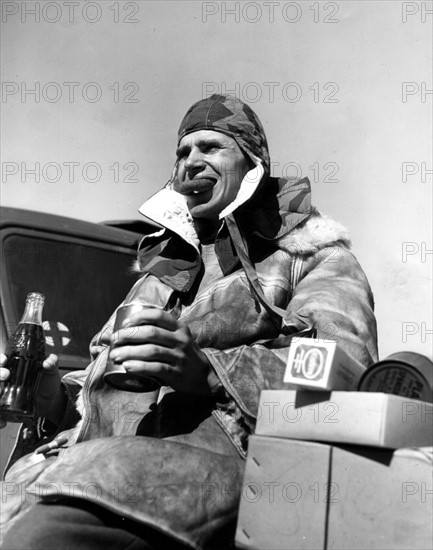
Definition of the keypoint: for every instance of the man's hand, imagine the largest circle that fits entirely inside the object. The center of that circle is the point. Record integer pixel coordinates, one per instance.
(50, 400)
(154, 343)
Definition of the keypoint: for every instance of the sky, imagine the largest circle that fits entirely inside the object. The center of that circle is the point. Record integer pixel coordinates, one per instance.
(93, 93)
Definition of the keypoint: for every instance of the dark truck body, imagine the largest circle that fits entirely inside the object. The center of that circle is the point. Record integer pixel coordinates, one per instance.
(82, 268)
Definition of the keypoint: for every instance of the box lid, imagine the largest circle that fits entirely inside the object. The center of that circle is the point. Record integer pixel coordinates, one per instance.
(358, 418)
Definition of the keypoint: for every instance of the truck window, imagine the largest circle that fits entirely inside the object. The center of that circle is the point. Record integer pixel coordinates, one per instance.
(83, 282)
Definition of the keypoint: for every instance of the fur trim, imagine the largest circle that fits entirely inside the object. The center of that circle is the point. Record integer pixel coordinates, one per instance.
(316, 232)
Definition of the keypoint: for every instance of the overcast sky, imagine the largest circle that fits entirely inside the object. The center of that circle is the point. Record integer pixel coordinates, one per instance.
(93, 94)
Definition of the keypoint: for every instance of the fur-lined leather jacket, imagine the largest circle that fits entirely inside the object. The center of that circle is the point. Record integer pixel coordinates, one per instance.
(285, 270)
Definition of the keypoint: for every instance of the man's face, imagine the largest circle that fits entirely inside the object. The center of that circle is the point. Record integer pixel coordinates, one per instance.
(210, 171)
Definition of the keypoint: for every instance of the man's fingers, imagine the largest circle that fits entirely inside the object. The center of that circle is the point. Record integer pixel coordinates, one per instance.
(50, 363)
(4, 374)
(158, 371)
(152, 316)
(146, 352)
(146, 333)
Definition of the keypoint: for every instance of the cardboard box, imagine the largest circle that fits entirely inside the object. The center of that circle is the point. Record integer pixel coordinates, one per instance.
(358, 418)
(278, 509)
(334, 497)
(321, 365)
(384, 499)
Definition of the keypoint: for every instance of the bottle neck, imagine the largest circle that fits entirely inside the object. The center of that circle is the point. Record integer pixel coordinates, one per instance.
(33, 310)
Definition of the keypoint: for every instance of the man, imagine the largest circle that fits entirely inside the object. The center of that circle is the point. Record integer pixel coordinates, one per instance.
(242, 263)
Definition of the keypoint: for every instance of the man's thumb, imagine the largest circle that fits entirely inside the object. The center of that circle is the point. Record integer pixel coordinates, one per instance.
(50, 363)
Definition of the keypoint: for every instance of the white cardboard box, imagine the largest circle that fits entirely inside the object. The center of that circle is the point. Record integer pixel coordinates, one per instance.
(303, 495)
(358, 418)
(382, 499)
(321, 365)
(283, 504)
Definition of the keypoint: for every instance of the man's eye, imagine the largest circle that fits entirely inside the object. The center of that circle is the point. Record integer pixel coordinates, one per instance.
(211, 147)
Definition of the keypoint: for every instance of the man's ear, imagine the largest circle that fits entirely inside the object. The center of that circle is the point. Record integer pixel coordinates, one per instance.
(173, 181)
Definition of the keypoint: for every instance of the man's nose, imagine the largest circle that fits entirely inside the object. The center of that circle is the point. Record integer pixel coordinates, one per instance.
(194, 160)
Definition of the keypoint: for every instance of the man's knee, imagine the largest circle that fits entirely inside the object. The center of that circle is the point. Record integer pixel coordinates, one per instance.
(71, 525)
(76, 524)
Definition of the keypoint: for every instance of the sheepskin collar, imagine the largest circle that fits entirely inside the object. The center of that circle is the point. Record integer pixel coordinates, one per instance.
(315, 233)
(280, 214)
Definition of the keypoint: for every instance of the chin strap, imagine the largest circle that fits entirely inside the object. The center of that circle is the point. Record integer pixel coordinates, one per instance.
(242, 251)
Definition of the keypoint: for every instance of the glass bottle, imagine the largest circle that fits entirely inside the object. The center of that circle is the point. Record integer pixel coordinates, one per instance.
(25, 353)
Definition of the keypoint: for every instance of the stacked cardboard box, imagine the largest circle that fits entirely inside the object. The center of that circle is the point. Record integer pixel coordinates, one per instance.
(304, 495)
(340, 470)
(358, 418)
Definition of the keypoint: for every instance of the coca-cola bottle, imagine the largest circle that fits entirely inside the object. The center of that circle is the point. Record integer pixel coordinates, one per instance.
(25, 353)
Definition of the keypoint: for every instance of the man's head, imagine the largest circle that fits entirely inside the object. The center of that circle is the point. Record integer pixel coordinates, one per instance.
(220, 139)
(211, 167)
